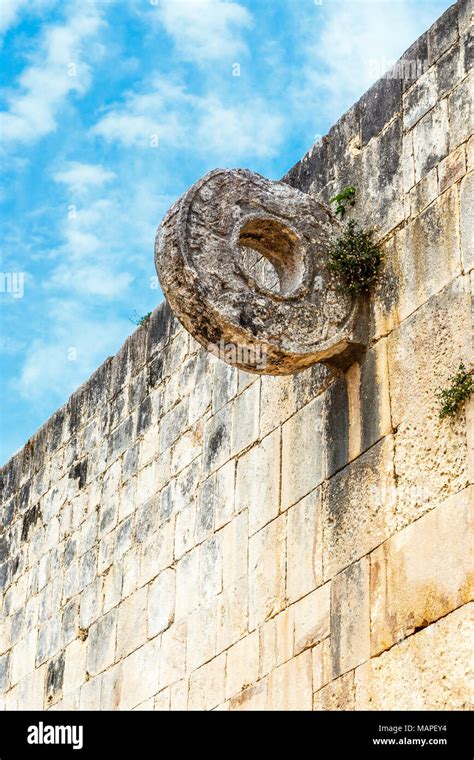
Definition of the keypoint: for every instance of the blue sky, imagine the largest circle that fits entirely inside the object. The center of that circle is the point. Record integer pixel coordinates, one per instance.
(110, 110)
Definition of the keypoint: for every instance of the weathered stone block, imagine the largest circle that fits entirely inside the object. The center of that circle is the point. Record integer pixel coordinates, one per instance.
(217, 440)
(131, 623)
(312, 621)
(431, 670)
(245, 418)
(442, 34)
(337, 695)
(461, 111)
(350, 618)
(359, 508)
(302, 432)
(423, 572)
(172, 654)
(242, 664)
(207, 685)
(232, 614)
(452, 169)
(430, 454)
(420, 98)
(267, 552)
(140, 675)
(431, 138)
(290, 685)
(101, 643)
(304, 564)
(161, 602)
(258, 482)
(467, 228)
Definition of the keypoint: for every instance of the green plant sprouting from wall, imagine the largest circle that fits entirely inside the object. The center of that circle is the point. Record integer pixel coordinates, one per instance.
(460, 388)
(140, 320)
(345, 196)
(356, 257)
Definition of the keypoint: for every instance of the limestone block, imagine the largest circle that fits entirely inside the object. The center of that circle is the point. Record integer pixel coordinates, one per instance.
(452, 169)
(160, 703)
(258, 482)
(242, 664)
(110, 692)
(252, 698)
(430, 454)
(431, 138)
(277, 640)
(302, 433)
(267, 553)
(184, 538)
(359, 508)
(179, 695)
(431, 670)
(424, 258)
(101, 643)
(187, 583)
(461, 111)
(157, 553)
(235, 549)
(75, 665)
(23, 657)
(423, 572)
(172, 653)
(161, 602)
(304, 564)
(224, 383)
(131, 623)
(90, 694)
(140, 675)
(207, 685)
(350, 618)
(321, 664)
(337, 695)
(211, 568)
(245, 418)
(420, 98)
(424, 192)
(290, 685)
(217, 440)
(467, 228)
(232, 614)
(312, 619)
(442, 34)
(201, 636)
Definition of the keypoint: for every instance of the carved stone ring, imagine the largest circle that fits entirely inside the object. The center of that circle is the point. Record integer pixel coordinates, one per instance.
(242, 261)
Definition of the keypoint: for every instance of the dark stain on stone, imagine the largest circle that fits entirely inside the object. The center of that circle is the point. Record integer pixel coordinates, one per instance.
(155, 371)
(144, 416)
(387, 289)
(55, 677)
(369, 401)
(4, 575)
(337, 426)
(215, 442)
(79, 472)
(4, 548)
(29, 521)
(24, 496)
(159, 328)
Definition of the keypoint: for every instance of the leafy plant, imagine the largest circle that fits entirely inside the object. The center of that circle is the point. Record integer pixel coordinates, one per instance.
(356, 257)
(140, 320)
(345, 196)
(462, 385)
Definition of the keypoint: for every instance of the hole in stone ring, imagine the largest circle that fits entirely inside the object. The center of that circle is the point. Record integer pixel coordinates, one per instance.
(282, 268)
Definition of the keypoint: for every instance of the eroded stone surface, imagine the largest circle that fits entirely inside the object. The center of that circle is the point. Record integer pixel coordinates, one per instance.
(242, 261)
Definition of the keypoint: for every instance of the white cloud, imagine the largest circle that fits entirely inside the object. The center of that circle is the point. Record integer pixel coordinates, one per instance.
(79, 177)
(356, 42)
(204, 123)
(57, 71)
(205, 30)
(75, 347)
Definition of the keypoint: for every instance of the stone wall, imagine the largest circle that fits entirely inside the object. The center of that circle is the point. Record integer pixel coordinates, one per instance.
(184, 535)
